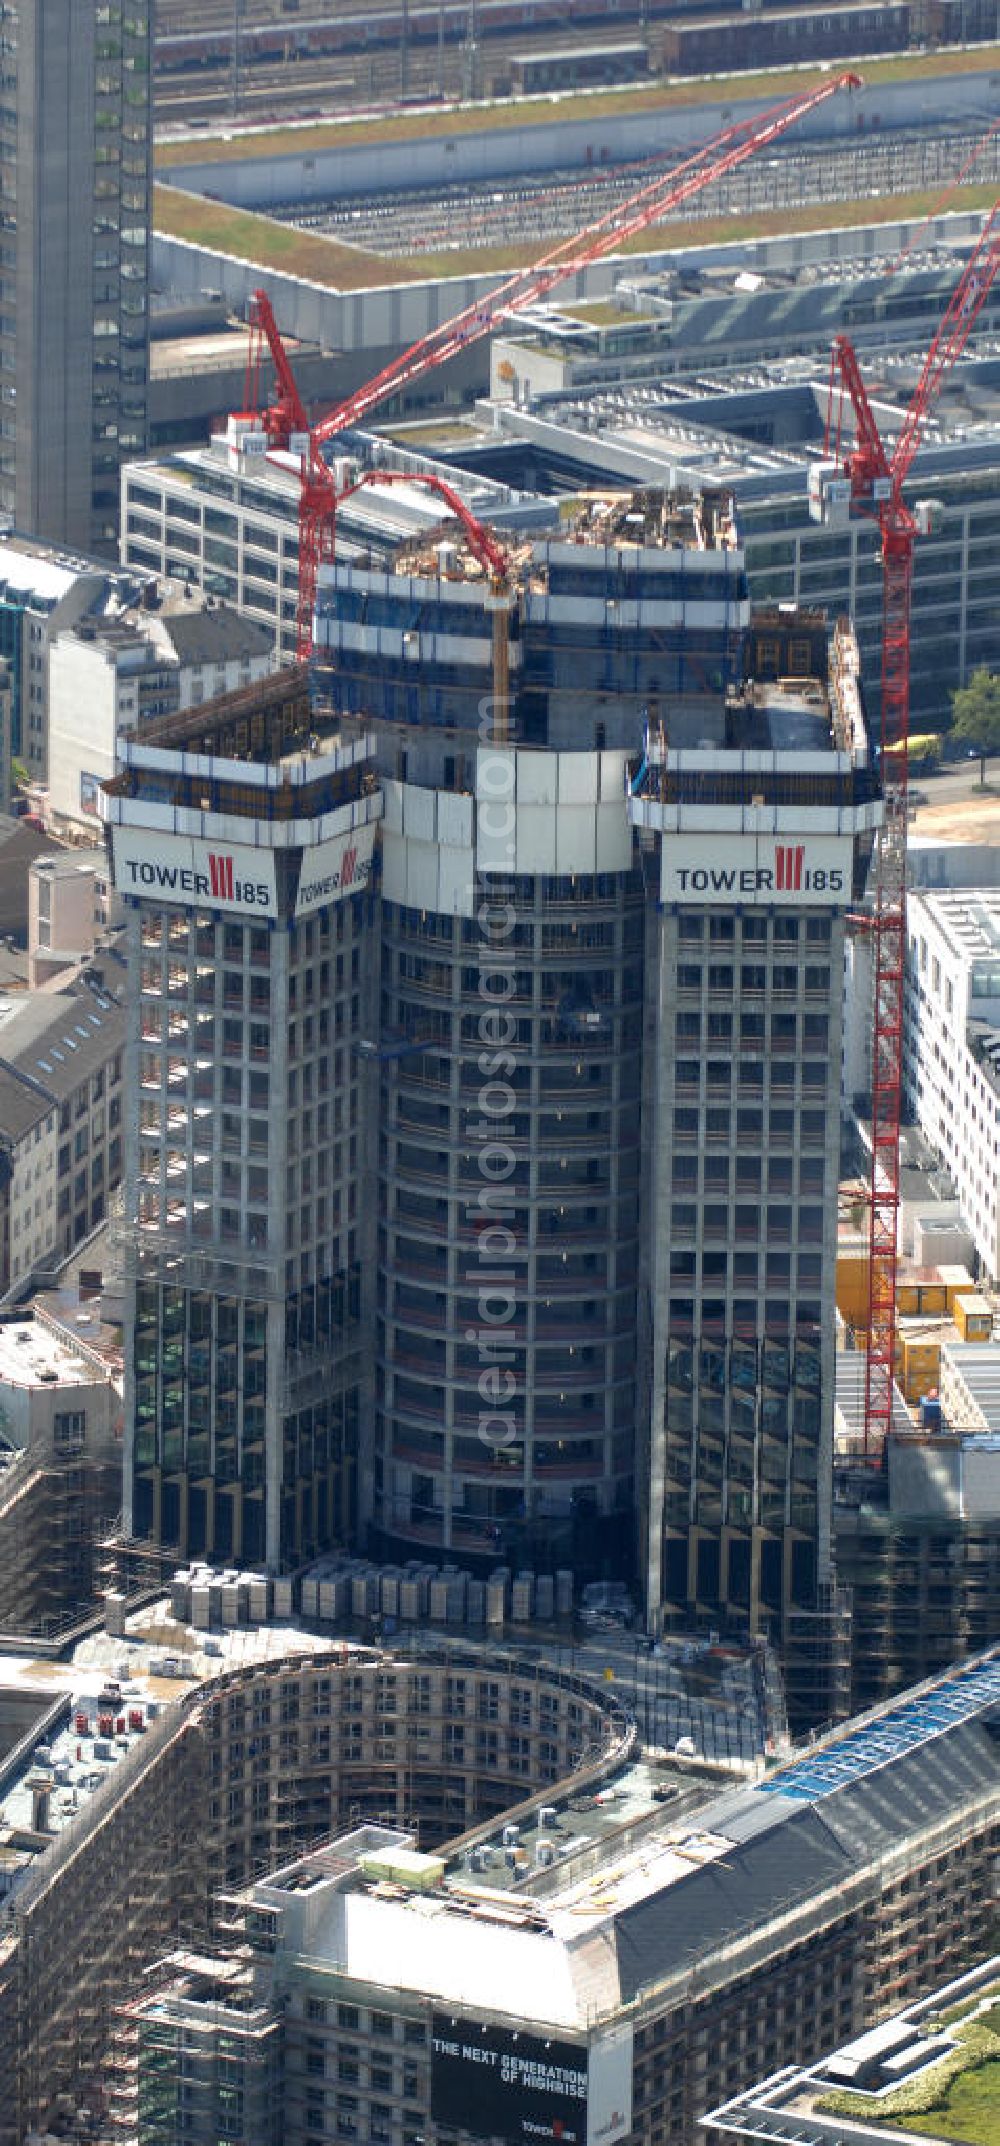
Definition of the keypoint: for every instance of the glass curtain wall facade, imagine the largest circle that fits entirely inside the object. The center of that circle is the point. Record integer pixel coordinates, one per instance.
(760, 845)
(567, 1475)
(244, 866)
(637, 605)
(75, 173)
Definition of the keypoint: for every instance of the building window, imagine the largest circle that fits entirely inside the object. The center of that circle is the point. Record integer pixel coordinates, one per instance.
(69, 1428)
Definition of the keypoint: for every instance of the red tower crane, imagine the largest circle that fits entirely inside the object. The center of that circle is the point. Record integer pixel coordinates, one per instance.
(285, 415)
(876, 480)
(523, 287)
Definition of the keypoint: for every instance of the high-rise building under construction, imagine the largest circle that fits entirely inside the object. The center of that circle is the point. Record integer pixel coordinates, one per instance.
(241, 838)
(596, 1092)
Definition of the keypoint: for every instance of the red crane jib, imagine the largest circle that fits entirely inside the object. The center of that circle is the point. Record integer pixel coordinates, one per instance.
(285, 414)
(481, 540)
(722, 154)
(523, 287)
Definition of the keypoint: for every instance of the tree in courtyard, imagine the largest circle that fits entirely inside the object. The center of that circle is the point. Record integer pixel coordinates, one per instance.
(976, 714)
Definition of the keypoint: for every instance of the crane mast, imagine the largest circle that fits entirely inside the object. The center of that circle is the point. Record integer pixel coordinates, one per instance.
(285, 415)
(876, 490)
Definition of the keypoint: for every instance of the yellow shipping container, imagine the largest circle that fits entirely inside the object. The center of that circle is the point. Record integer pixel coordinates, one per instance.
(958, 1282)
(907, 1300)
(932, 1300)
(852, 1287)
(920, 1367)
(973, 1318)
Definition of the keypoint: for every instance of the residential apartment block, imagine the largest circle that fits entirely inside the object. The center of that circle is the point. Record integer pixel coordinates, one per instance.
(43, 590)
(71, 906)
(61, 1120)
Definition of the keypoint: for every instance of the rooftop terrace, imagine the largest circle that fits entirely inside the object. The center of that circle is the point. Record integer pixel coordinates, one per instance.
(931, 2072)
(32, 1355)
(620, 1896)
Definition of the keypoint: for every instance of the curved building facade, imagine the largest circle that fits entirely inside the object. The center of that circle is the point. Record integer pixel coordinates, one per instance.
(550, 1353)
(512, 949)
(249, 1767)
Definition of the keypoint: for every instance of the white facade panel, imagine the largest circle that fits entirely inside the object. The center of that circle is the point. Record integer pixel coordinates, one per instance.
(421, 874)
(536, 838)
(456, 882)
(576, 838)
(715, 613)
(537, 778)
(613, 851)
(496, 777)
(579, 778)
(454, 820)
(613, 767)
(418, 812)
(464, 648)
(496, 771)
(393, 868)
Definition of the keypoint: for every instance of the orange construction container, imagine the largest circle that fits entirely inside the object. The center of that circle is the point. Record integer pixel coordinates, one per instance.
(974, 1318)
(958, 1282)
(852, 1287)
(920, 1366)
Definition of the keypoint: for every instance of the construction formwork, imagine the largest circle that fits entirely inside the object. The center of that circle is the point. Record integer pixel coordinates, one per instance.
(50, 1516)
(111, 1892)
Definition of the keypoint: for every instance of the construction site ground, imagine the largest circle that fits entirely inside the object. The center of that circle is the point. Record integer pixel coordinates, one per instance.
(958, 808)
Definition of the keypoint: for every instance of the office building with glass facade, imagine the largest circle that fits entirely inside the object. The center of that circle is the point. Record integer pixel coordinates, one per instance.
(242, 845)
(75, 170)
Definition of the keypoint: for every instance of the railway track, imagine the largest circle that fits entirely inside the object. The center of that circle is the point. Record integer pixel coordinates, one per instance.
(386, 51)
(299, 87)
(185, 102)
